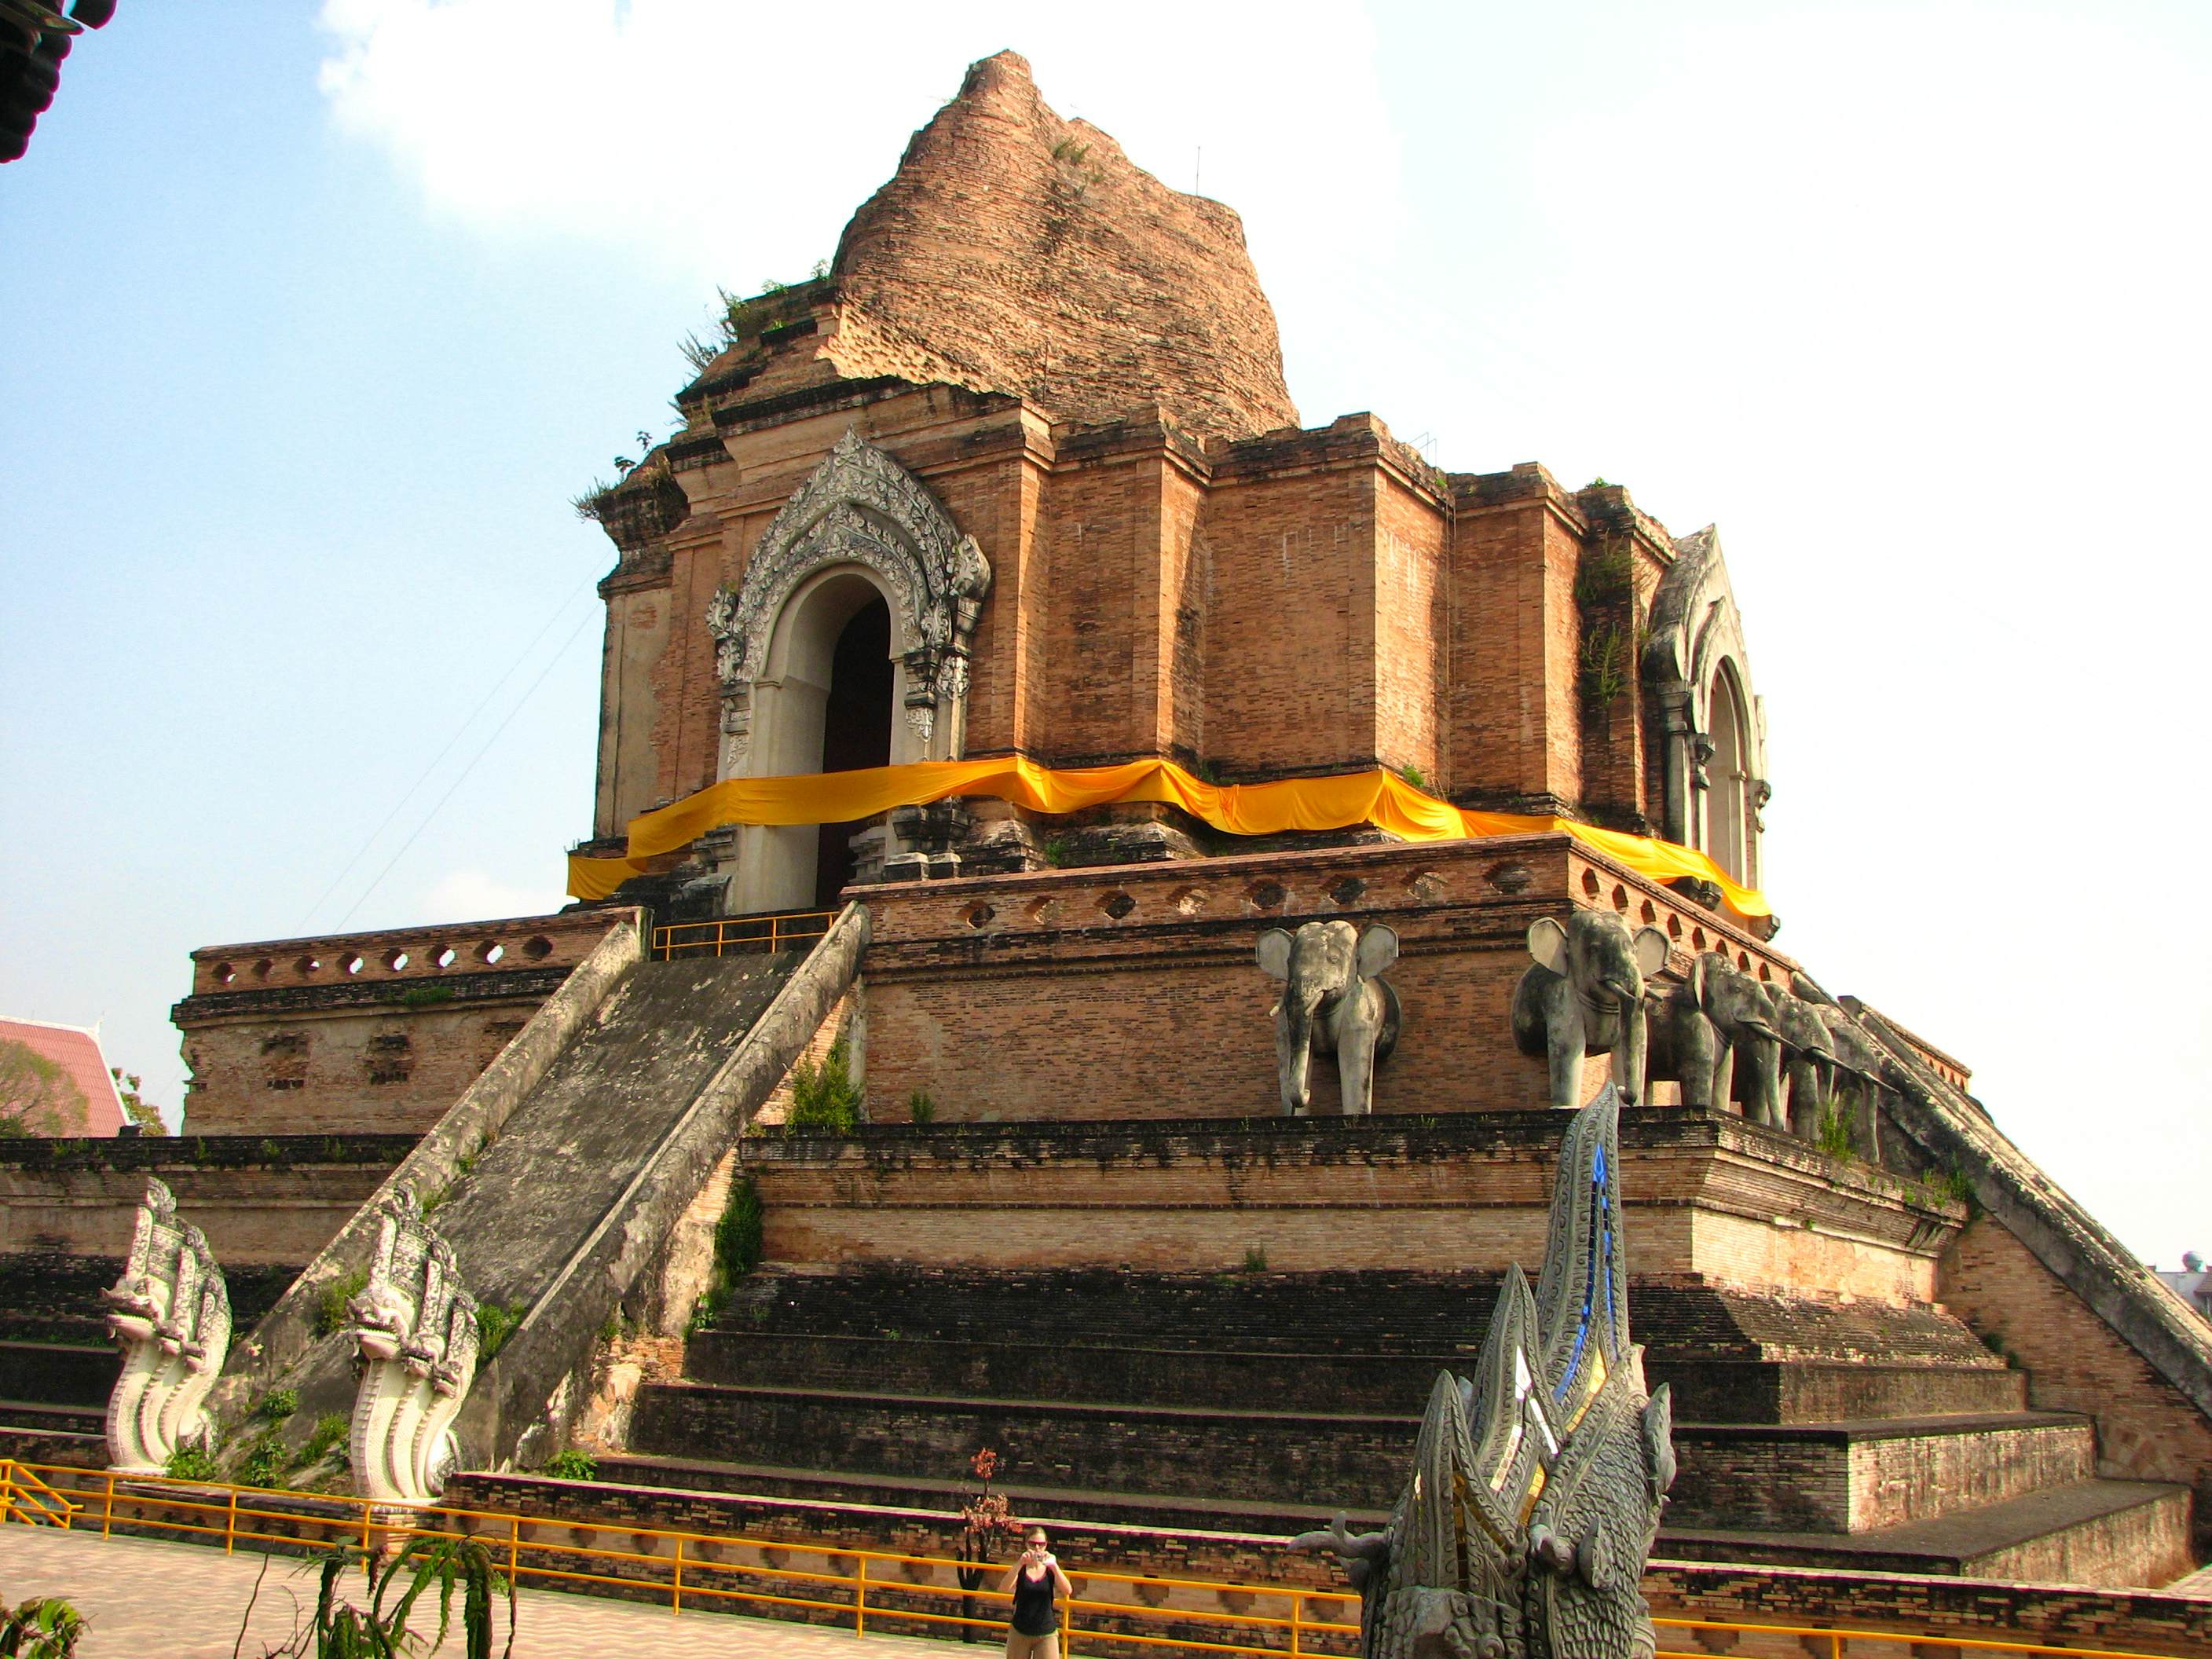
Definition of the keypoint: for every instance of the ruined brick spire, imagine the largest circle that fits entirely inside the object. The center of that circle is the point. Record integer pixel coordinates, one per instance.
(1014, 252)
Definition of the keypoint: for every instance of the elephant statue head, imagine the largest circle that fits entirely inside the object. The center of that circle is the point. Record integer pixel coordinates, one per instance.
(1584, 995)
(1331, 1002)
(1808, 1064)
(1718, 1015)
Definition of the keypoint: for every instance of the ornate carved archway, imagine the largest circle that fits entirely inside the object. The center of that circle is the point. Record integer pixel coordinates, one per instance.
(862, 507)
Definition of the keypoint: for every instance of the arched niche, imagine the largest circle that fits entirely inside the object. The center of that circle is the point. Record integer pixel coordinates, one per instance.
(861, 530)
(1711, 749)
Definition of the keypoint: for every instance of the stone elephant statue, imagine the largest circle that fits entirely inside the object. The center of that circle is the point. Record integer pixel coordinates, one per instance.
(1715, 1033)
(1331, 1002)
(1861, 1079)
(1584, 995)
(1809, 1061)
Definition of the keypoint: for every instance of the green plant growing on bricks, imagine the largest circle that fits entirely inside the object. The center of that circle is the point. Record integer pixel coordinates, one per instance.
(824, 1099)
(331, 1306)
(737, 1250)
(573, 1465)
(495, 1324)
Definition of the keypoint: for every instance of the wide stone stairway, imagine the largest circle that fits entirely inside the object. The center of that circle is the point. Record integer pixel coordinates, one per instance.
(1810, 1434)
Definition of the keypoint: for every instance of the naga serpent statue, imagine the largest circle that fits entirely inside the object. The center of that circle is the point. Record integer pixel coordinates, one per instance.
(1538, 1481)
(170, 1314)
(415, 1324)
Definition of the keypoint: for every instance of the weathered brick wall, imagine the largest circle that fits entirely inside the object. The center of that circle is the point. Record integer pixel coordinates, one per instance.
(1459, 1192)
(260, 1199)
(1134, 991)
(2147, 1430)
(364, 1033)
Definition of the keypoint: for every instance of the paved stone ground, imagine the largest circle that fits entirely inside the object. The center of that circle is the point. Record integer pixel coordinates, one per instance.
(145, 1598)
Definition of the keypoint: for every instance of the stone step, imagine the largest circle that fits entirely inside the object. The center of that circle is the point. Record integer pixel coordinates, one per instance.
(1863, 1477)
(2089, 1532)
(1723, 1390)
(44, 1418)
(1358, 1312)
(1319, 1459)
(58, 1373)
(48, 1445)
(1840, 1478)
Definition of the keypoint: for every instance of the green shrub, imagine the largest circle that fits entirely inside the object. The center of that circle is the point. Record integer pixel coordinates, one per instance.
(269, 1152)
(1414, 775)
(824, 1100)
(190, 1463)
(277, 1405)
(920, 1107)
(1255, 1258)
(331, 1306)
(44, 1627)
(1835, 1134)
(266, 1461)
(737, 1250)
(330, 1430)
(425, 996)
(495, 1324)
(574, 1465)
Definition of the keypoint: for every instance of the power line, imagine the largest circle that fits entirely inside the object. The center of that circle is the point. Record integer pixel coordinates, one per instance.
(520, 704)
(437, 759)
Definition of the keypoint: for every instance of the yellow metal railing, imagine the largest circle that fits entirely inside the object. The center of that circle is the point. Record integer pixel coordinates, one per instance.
(733, 934)
(25, 1498)
(739, 1572)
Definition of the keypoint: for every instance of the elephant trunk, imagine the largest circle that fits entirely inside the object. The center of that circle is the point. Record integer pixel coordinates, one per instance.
(1294, 1033)
(1632, 1054)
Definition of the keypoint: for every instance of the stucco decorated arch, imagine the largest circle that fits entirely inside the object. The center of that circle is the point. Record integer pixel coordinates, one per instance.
(860, 509)
(1694, 659)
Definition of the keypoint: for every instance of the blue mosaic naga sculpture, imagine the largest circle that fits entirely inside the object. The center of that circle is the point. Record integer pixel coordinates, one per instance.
(1538, 1480)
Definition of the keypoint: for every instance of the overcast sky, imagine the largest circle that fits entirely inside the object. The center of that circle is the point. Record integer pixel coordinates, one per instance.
(316, 321)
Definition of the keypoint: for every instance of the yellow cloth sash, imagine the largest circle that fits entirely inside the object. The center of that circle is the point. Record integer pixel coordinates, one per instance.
(1382, 798)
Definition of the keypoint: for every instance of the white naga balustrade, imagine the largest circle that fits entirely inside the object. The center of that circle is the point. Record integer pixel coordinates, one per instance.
(170, 1314)
(416, 1326)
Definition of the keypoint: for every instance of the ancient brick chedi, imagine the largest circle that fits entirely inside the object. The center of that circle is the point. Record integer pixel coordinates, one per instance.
(1074, 371)
(1251, 1127)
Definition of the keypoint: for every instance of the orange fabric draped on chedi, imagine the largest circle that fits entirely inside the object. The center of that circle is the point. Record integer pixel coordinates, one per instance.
(1382, 798)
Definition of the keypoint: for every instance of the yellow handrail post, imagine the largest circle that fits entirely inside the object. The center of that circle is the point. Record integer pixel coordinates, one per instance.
(676, 1593)
(860, 1598)
(107, 1504)
(514, 1551)
(1298, 1601)
(230, 1525)
(1835, 1645)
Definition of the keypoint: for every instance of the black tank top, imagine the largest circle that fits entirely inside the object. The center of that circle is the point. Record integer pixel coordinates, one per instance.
(1034, 1613)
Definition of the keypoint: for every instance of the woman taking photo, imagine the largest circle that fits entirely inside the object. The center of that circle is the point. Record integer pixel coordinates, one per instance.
(1033, 1582)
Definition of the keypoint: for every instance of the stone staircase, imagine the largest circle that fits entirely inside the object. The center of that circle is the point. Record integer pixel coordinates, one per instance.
(1810, 1434)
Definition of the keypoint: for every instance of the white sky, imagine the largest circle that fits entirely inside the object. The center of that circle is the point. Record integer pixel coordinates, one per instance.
(329, 318)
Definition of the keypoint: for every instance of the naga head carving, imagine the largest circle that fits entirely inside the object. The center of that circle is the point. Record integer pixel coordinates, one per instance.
(1539, 1478)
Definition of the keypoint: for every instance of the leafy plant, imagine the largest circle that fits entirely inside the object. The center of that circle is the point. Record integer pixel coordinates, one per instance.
(1414, 775)
(269, 1152)
(340, 1628)
(1835, 1136)
(190, 1463)
(921, 1107)
(1255, 1258)
(266, 1461)
(135, 1107)
(44, 1627)
(329, 1432)
(331, 1306)
(824, 1099)
(1059, 852)
(495, 1324)
(425, 996)
(574, 1465)
(277, 1405)
(737, 1250)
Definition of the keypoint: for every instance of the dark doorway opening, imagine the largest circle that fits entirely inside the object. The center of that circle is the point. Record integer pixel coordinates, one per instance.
(856, 731)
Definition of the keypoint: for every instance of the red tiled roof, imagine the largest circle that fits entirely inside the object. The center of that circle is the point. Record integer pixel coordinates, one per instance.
(76, 1051)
